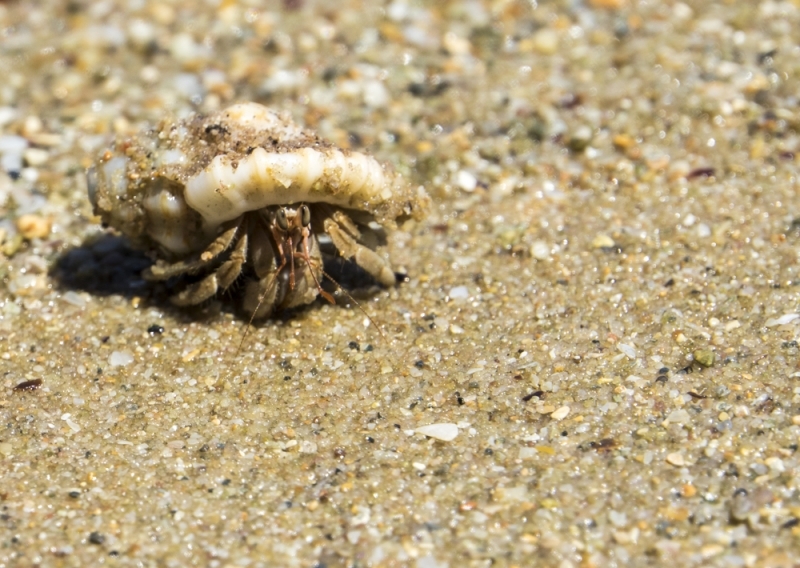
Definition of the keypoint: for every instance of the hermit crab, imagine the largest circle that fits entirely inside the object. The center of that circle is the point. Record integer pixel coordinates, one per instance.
(246, 194)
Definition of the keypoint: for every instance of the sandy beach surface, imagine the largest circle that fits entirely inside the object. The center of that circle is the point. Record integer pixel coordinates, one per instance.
(594, 359)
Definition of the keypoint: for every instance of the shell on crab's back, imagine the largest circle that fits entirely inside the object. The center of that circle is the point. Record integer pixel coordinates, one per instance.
(177, 184)
(264, 159)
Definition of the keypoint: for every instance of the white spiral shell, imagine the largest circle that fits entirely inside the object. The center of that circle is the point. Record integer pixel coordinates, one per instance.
(173, 187)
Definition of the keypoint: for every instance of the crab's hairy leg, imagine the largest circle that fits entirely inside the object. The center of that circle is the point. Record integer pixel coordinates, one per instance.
(261, 297)
(280, 241)
(163, 271)
(346, 223)
(307, 257)
(366, 258)
(220, 279)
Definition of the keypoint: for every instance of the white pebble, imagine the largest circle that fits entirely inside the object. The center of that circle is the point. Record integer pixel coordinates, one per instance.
(545, 41)
(540, 250)
(681, 11)
(783, 320)
(13, 144)
(7, 114)
(188, 84)
(627, 350)
(74, 298)
(308, 447)
(466, 181)
(120, 359)
(458, 293)
(617, 519)
(679, 416)
(67, 417)
(141, 33)
(445, 431)
(11, 162)
(375, 94)
(36, 157)
(283, 80)
(560, 413)
(429, 562)
(775, 465)
(183, 48)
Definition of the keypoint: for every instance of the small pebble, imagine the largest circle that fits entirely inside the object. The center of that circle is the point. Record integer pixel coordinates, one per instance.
(34, 226)
(710, 550)
(705, 357)
(375, 94)
(741, 506)
(12, 144)
(617, 519)
(782, 320)
(623, 141)
(627, 350)
(676, 459)
(580, 139)
(466, 181)
(12, 163)
(72, 297)
(120, 359)
(679, 416)
(545, 41)
(35, 157)
(540, 250)
(458, 293)
(7, 114)
(446, 432)
(602, 241)
(560, 413)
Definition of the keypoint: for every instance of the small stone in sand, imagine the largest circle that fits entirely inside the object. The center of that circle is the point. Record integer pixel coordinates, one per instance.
(33, 226)
(445, 432)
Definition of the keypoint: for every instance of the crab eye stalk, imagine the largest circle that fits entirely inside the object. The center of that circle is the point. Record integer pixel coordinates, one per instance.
(280, 218)
(305, 215)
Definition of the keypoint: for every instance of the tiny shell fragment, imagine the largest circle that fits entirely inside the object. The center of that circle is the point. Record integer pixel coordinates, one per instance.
(560, 413)
(445, 431)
